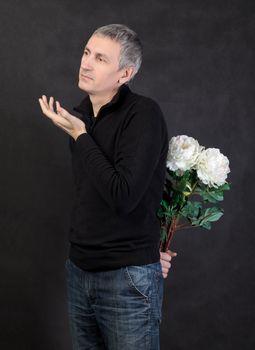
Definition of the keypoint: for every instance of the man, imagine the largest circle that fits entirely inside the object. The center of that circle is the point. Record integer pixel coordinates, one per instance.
(119, 147)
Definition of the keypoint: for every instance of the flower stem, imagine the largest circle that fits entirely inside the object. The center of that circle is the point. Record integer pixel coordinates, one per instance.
(182, 227)
(165, 245)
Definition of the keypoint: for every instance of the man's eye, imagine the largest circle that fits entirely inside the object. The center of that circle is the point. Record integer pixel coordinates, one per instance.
(100, 59)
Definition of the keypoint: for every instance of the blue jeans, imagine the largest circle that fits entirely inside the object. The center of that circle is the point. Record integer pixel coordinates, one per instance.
(115, 309)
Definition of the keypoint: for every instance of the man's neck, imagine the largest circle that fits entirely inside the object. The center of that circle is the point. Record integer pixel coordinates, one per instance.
(100, 100)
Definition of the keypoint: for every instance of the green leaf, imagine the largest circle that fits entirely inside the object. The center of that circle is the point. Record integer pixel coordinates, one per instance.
(164, 204)
(207, 215)
(206, 225)
(160, 213)
(224, 187)
(213, 214)
(163, 234)
(191, 210)
(210, 195)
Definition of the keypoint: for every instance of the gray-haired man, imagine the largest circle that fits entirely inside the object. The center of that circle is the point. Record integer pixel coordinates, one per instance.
(119, 146)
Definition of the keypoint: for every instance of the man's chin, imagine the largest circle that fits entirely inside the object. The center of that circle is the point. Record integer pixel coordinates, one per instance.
(82, 87)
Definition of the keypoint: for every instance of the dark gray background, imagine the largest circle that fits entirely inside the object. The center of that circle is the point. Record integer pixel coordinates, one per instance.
(199, 65)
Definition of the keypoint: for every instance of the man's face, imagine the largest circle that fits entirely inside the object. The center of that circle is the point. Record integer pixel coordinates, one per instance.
(99, 72)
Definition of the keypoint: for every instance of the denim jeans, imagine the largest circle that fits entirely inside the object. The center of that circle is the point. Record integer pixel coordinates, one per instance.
(116, 309)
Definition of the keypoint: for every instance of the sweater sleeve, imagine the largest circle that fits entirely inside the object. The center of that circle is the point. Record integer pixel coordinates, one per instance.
(71, 143)
(124, 182)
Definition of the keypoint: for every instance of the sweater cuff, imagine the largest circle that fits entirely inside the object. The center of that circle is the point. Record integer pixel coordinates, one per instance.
(84, 143)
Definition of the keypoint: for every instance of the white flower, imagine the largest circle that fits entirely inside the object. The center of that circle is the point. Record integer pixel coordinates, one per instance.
(182, 153)
(212, 167)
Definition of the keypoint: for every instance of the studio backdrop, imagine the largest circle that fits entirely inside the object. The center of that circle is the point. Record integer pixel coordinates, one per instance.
(198, 64)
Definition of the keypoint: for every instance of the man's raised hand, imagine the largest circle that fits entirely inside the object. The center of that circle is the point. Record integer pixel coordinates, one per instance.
(62, 118)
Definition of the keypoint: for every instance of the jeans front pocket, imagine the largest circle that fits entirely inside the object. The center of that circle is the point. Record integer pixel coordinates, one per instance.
(139, 280)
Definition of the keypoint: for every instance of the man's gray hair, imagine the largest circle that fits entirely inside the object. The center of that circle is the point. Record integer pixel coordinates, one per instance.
(131, 46)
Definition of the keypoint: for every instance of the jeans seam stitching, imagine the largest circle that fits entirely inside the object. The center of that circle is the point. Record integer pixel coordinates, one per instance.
(133, 285)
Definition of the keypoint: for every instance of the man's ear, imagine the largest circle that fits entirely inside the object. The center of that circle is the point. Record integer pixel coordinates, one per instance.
(128, 73)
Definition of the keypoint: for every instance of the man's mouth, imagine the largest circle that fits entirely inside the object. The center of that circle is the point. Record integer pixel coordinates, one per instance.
(86, 76)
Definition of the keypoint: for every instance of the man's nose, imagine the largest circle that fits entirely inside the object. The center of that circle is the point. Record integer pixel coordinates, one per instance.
(86, 63)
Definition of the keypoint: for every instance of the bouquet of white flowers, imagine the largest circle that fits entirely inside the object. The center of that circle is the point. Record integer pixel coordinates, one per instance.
(191, 170)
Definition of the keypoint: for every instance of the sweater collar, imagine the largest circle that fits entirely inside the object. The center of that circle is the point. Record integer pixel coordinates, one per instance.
(85, 107)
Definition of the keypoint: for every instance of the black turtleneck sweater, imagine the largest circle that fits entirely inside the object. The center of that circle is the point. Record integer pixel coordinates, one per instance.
(119, 168)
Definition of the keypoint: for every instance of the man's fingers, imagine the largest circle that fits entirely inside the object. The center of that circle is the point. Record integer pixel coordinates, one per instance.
(48, 106)
(164, 270)
(171, 253)
(45, 108)
(165, 264)
(61, 117)
(65, 114)
(51, 103)
(43, 105)
(48, 109)
(165, 256)
(44, 98)
(58, 108)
